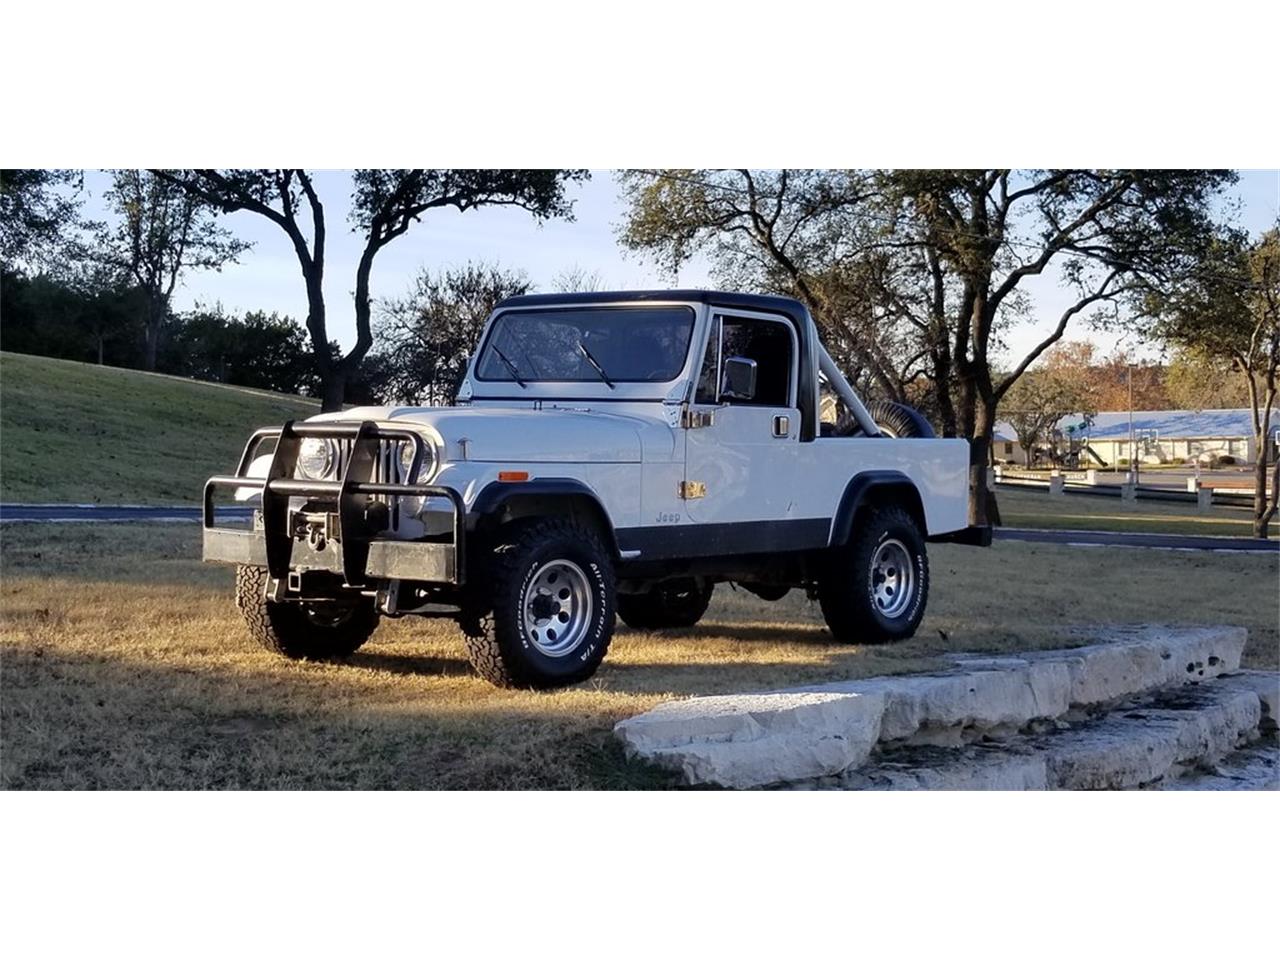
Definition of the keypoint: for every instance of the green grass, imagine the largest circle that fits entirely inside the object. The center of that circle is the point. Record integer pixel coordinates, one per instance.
(1079, 511)
(126, 665)
(79, 433)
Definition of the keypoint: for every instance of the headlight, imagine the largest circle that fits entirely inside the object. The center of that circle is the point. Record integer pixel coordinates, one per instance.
(317, 458)
(425, 468)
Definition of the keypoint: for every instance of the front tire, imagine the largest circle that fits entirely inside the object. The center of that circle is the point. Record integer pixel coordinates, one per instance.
(875, 588)
(550, 606)
(303, 631)
(679, 603)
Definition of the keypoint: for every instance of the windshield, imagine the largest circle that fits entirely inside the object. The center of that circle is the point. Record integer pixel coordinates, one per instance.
(601, 344)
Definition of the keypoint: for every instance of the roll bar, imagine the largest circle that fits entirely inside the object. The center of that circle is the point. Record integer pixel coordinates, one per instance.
(845, 392)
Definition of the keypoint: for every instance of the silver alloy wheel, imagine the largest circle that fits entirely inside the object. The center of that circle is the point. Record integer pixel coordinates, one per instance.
(892, 578)
(557, 607)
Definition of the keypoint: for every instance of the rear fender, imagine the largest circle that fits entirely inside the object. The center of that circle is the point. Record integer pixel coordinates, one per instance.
(875, 488)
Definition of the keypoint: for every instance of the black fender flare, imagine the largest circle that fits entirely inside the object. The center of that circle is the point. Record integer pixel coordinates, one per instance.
(869, 487)
(499, 499)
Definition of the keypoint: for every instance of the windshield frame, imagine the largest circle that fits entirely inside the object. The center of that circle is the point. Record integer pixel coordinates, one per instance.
(532, 381)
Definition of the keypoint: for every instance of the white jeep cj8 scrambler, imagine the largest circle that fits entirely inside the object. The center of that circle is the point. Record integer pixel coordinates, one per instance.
(609, 455)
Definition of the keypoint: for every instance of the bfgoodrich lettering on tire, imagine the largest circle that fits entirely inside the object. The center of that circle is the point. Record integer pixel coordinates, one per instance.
(550, 609)
(874, 589)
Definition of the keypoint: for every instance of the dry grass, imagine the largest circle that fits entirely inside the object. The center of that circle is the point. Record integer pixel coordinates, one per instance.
(124, 665)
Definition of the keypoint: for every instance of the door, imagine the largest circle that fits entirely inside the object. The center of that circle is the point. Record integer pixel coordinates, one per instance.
(740, 460)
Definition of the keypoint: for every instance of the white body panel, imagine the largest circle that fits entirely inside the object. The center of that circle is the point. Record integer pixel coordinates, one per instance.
(748, 472)
(939, 469)
(628, 447)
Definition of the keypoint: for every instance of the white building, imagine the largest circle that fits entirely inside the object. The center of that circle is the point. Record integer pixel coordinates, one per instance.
(1162, 436)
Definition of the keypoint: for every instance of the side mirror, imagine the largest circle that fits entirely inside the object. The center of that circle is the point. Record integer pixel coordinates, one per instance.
(739, 379)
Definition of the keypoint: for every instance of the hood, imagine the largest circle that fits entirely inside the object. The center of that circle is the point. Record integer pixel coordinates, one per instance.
(503, 434)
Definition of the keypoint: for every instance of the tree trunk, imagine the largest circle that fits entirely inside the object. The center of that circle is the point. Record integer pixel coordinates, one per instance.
(940, 382)
(1261, 515)
(152, 344)
(982, 506)
(946, 409)
(156, 309)
(333, 389)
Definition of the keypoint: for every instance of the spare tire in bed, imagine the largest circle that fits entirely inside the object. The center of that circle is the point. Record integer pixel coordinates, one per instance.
(898, 420)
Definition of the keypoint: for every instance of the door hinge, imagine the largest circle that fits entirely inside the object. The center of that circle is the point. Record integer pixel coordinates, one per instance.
(692, 490)
(694, 419)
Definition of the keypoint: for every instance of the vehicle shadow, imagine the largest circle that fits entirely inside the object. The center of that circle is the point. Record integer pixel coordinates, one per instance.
(423, 666)
(746, 632)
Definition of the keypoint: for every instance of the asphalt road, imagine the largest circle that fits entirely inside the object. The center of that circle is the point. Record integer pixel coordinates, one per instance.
(102, 513)
(1161, 541)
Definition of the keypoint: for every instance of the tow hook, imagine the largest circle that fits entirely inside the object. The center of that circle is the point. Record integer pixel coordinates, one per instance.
(315, 537)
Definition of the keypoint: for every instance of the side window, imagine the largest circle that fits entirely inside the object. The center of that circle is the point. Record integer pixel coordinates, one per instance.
(708, 391)
(768, 343)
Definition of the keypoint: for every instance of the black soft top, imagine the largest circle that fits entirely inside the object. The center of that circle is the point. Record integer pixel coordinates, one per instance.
(743, 301)
(792, 309)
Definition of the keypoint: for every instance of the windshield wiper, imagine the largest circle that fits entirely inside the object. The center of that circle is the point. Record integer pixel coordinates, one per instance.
(515, 371)
(582, 347)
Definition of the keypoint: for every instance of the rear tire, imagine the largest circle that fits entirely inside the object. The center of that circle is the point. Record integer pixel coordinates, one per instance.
(302, 631)
(550, 608)
(875, 588)
(679, 603)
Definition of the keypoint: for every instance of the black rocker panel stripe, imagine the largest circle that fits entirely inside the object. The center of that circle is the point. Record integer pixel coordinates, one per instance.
(693, 540)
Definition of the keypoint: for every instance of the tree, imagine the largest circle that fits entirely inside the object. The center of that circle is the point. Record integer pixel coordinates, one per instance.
(109, 310)
(577, 279)
(38, 209)
(803, 233)
(268, 352)
(1105, 381)
(1196, 380)
(427, 337)
(1040, 398)
(1075, 363)
(385, 203)
(1229, 309)
(80, 313)
(919, 274)
(1122, 376)
(162, 232)
(991, 230)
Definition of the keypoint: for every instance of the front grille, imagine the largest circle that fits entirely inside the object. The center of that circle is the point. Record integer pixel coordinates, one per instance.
(386, 469)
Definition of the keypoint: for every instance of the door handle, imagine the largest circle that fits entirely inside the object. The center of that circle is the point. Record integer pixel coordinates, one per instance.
(781, 426)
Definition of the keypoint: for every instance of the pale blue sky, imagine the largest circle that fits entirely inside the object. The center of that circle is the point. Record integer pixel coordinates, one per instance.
(267, 277)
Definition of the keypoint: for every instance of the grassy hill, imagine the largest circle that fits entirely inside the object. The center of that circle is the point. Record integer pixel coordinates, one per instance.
(78, 433)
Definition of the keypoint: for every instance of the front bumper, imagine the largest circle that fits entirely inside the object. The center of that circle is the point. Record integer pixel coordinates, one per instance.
(348, 535)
